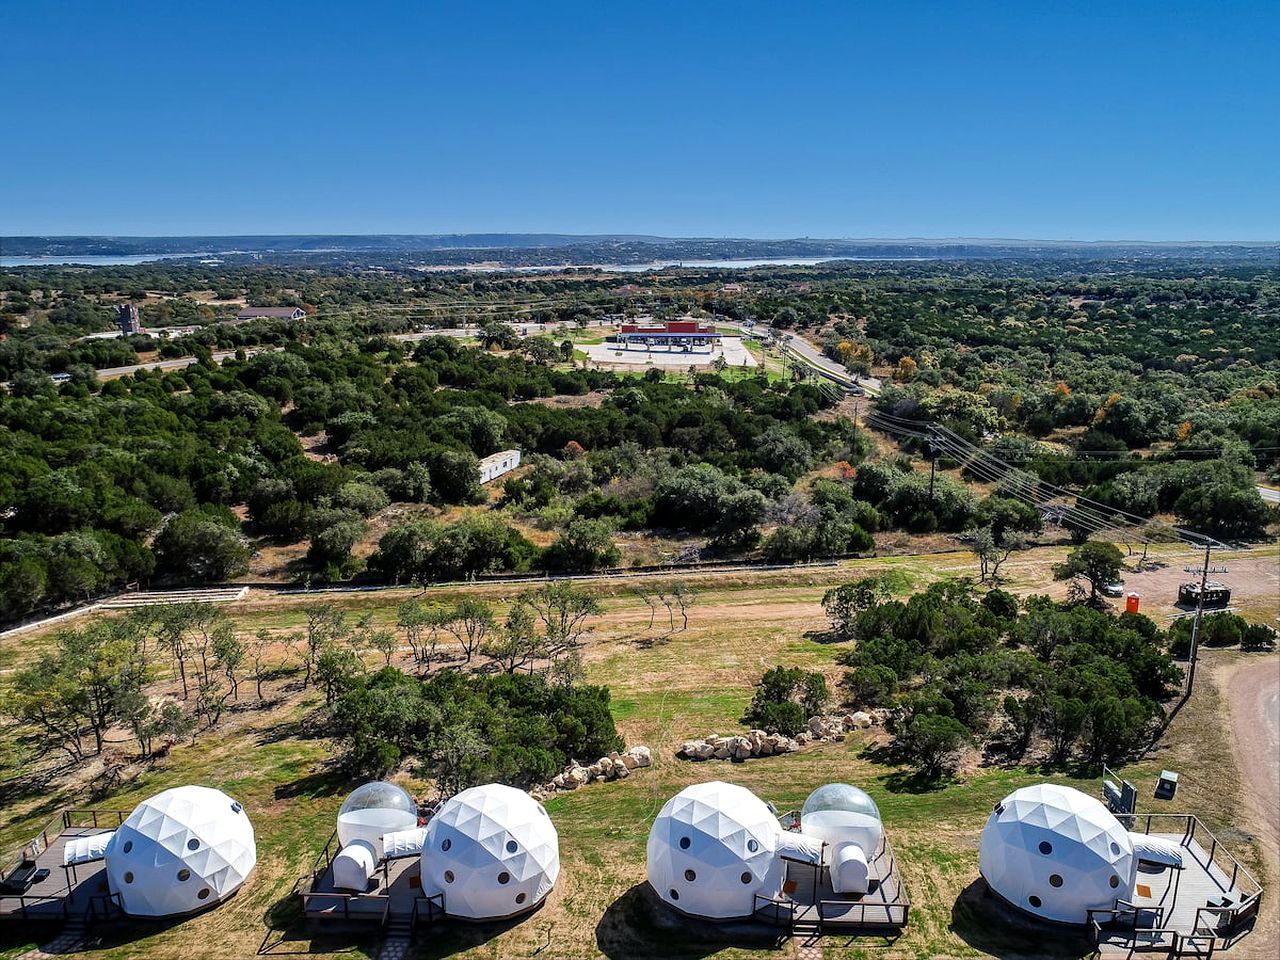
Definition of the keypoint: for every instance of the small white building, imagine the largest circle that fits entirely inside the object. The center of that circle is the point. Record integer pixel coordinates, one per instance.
(496, 464)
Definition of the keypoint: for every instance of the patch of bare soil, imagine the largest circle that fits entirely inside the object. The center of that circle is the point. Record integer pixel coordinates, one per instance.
(1252, 690)
(595, 398)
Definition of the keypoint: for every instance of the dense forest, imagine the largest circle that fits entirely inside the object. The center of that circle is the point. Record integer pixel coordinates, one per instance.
(1150, 389)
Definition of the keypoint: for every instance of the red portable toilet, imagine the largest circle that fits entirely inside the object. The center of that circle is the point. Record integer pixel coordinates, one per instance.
(1131, 603)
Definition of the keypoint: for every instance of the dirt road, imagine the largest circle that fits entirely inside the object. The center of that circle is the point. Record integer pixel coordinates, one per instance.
(1253, 690)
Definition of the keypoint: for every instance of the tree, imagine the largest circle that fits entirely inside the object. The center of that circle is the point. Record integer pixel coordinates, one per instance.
(517, 643)
(1096, 562)
(385, 642)
(336, 667)
(565, 613)
(932, 743)
(993, 549)
(229, 654)
(471, 623)
(872, 685)
(256, 651)
(326, 625)
(200, 547)
(843, 603)
(420, 626)
(785, 698)
(584, 545)
(684, 597)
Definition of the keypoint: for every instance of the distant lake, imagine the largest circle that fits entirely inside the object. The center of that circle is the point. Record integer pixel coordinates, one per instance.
(93, 260)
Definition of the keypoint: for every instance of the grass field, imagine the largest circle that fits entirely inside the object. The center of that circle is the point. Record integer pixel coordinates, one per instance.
(665, 689)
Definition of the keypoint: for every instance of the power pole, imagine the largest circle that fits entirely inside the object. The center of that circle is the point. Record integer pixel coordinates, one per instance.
(933, 466)
(1195, 626)
(855, 425)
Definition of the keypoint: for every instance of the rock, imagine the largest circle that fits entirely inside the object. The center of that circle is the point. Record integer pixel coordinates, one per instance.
(721, 751)
(705, 751)
(804, 736)
(766, 748)
(620, 771)
(860, 720)
(593, 772)
(641, 754)
(577, 776)
(606, 765)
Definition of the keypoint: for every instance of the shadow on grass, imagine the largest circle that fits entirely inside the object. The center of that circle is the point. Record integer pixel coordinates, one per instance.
(903, 781)
(989, 925)
(638, 924)
(323, 783)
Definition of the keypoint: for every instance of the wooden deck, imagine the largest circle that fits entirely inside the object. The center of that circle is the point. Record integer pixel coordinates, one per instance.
(64, 893)
(809, 901)
(1180, 912)
(393, 892)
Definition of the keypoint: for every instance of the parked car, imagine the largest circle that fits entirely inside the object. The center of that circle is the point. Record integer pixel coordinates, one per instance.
(1115, 589)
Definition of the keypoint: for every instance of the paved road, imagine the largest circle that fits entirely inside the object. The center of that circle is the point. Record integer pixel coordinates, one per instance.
(1269, 495)
(181, 363)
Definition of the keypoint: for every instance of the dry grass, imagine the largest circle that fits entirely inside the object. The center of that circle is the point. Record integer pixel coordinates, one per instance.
(666, 687)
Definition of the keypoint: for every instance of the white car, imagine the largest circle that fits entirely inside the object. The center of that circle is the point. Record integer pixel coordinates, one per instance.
(1114, 589)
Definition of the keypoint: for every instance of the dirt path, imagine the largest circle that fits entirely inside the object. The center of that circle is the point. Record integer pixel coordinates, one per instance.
(1253, 691)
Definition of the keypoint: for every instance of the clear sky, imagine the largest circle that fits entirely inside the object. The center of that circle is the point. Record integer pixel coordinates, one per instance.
(1122, 119)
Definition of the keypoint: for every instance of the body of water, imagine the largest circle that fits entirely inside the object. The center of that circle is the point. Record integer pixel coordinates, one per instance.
(94, 260)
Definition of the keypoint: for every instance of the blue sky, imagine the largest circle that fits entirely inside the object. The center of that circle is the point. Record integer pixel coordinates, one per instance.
(1116, 120)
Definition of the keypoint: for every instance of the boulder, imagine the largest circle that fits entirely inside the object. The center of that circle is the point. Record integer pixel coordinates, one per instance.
(576, 776)
(721, 751)
(860, 720)
(641, 756)
(705, 751)
(620, 771)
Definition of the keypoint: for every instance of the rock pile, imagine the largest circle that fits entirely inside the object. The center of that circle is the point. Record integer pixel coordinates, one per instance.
(616, 766)
(757, 743)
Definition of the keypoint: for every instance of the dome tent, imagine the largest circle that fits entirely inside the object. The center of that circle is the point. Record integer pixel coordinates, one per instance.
(180, 851)
(712, 849)
(847, 820)
(492, 851)
(375, 809)
(1056, 853)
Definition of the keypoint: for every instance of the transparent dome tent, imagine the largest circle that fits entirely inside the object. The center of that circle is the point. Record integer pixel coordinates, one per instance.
(375, 809)
(847, 821)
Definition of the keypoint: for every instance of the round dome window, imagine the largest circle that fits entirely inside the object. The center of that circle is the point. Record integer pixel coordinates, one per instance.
(203, 894)
(128, 877)
(1055, 880)
(184, 875)
(504, 877)
(1033, 900)
(1046, 847)
(512, 846)
(674, 893)
(520, 898)
(446, 843)
(1114, 881)
(684, 843)
(448, 876)
(746, 876)
(128, 845)
(753, 846)
(690, 876)
(193, 844)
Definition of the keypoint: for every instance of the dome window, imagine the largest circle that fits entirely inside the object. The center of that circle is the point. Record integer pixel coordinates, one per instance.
(184, 875)
(684, 843)
(203, 894)
(448, 876)
(690, 876)
(674, 893)
(512, 846)
(504, 877)
(1055, 880)
(746, 876)
(193, 844)
(520, 898)
(445, 844)
(128, 845)
(753, 846)
(1033, 900)
(1046, 847)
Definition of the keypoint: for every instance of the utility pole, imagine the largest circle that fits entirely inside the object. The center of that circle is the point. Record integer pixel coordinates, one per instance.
(933, 465)
(855, 424)
(1195, 626)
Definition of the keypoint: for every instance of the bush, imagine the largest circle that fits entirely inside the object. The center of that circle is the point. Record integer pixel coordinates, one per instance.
(784, 700)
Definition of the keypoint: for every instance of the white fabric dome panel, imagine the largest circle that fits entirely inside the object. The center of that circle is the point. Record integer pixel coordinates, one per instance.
(1056, 853)
(492, 851)
(712, 850)
(180, 851)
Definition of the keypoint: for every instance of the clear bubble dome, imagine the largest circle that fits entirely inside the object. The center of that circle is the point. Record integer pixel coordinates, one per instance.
(841, 797)
(379, 795)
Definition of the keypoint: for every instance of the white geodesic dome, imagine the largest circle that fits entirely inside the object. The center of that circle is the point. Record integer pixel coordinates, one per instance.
(712, 848)
(492, 851)
(1056, 853)
(180, 851)
(375, 809)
